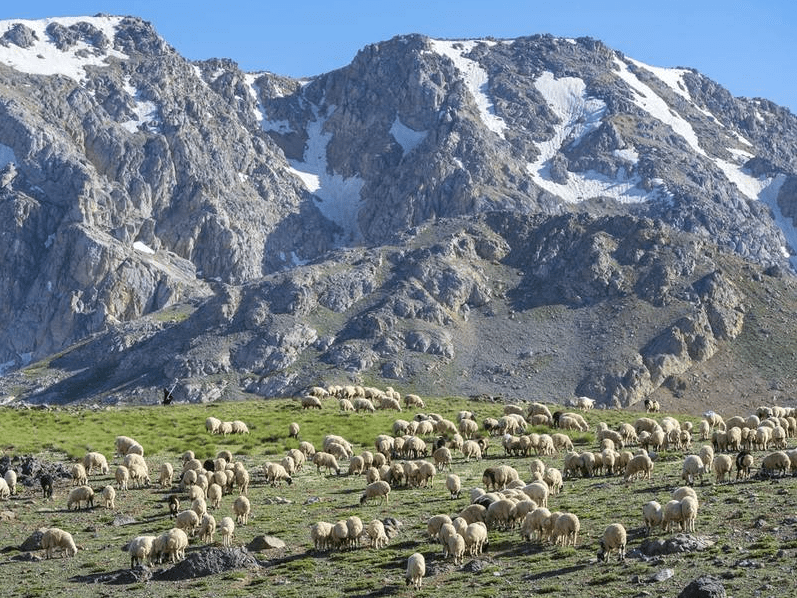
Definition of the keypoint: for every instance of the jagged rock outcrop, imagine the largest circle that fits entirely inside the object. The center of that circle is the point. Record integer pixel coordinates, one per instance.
(527, 216)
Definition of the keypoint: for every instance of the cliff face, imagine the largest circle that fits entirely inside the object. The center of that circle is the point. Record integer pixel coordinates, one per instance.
(384, 220)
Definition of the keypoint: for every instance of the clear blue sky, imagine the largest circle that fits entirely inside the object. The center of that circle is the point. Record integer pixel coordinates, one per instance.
(747, 47)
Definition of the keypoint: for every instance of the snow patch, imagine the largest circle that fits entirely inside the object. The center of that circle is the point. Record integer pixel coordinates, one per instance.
(407, 138)
(475, 78)
(338, 197)
(628, 154)
(673, 78)
(143, 248)
(769, 195)
(146, 111)
(650, 102)
(44, 57)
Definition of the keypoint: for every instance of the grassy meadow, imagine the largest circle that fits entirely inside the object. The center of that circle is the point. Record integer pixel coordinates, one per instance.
(752, 524)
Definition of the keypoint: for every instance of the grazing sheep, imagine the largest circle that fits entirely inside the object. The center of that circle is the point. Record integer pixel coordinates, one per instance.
(212, 424)
(321, 535)
(533, 526)
(207, 528)
(214, 495)
(242, 510)
(499, 513)
(565, 530)
(79, 477)
(376, 534)
(310, 402)
(538, 492)
(442, 457)
(614, 538)
(356, 465)
(672, 515)
(10, 479)
(172, 544)
(499, 476)
(689, 508)
(416, 569)
(584, 403)
(471, 448)
(140, 549)
(682, 491)
(378, 489)
(453, 485)
(413, 400)
(188, 521)
(474, 513)
(199, 506)
(139, 474)
(775, 462)
(227, 529)
(722, 466)
(94, 459)
(123, 444)
(293, 430)
(108, 497)
(55, 538)
(362, 404)
(166, 475)
(345, 405)
(553, 477)
(276, 474)
(652, 515)
(693, 466)
(78, 495)
(122, 476)
(434, 523)
(455, 545)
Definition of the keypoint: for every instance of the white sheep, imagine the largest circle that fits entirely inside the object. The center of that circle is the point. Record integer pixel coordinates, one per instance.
(614, 538)
(187, 520)
(321, 535)
(78, 495)
(123, 444)
(94, 459)
(416, 569)
(55, 538)
(239, 427)
(475, 537)
(10, 479)
(293, 430)
(214, 495)
(326, 460)
(376, 533)
(453, 485)
(471, 448)
(166, 475)
(212, 424)
(207, 528)
(242, 509)
(533, 526)
(140, 549)
(434, 523)
(499, 513)
(722, 466)
(378, 489)
(108, 497)
(672, 515)
(689, 506)
(79, 477)
(776, 462)
(565, 529)
(682, 491)
(455, 545)
(227, 530)
(172, 544)
(652, 515)
(538, 492)
(693, 466)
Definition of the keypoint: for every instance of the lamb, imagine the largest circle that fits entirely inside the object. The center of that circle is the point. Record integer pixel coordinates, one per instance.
(565, 529)
(689, 508)
(187, 520)
(207, 528)
(108, 497)
(693, 466)
(55, 538)
(94, 459)
(242, 509)
(378, 489)
(453, 485)
(293, 430)
(614, 538)
(174, 505)
(78, 495)
(140, 549)
(416, 569)
(722, 465)
(226, 529)
(10, 479)
(652, 515)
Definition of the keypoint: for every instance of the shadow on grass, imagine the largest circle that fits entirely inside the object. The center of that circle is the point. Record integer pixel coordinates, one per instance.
(553, 573)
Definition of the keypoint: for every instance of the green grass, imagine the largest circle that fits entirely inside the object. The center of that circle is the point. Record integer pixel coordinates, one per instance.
(727, 516)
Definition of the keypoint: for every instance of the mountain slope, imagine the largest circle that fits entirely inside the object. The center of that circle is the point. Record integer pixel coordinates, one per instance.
(536, 216)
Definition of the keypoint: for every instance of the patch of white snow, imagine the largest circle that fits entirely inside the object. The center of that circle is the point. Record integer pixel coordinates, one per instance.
(475, 78)
(673, 78)
(146, 111)
(407, 138)
(143, 248)
(44, 58)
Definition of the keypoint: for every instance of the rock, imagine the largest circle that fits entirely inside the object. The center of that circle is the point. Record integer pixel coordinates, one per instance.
(33, 542)
(121, 520)
(678, 544)
(662, 575)
(474, 566)
(705, 586)
(7, 515)
(208, 561)
(265, 543)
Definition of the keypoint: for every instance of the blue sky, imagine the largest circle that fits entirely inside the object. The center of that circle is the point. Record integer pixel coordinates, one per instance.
(747, 47)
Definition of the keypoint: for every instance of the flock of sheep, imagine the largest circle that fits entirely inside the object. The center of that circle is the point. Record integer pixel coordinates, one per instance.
(417, 448)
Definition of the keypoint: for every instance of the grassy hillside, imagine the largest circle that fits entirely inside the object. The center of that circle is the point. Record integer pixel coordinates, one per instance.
(752, 525)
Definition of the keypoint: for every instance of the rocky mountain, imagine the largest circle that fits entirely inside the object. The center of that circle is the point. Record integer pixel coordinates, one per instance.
(531, 217)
